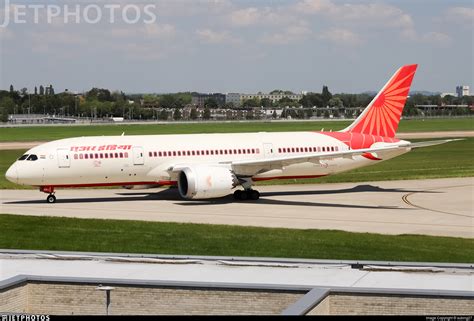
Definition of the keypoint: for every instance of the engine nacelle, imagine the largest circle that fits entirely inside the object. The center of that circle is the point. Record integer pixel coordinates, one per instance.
(199, 182)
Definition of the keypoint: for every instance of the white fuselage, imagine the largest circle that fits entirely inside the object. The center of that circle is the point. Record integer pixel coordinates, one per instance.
(142, 160)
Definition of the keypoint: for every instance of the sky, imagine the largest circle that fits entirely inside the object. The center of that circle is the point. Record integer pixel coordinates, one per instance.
(235, 45)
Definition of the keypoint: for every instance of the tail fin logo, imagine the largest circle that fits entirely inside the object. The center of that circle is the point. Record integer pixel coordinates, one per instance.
(382, 115)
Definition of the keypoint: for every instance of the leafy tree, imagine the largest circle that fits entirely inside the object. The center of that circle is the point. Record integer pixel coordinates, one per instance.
(177, 114)
(36, 90)
(99, 94)
(41, 90)
(206, 114)
(11, 89)
(254, 102)
(7, 106)
(274, 115)
(335, 102)
(193, 115)
(163, 115)
(266, 102)
(24, 91)
(326, 96)
(211, 103)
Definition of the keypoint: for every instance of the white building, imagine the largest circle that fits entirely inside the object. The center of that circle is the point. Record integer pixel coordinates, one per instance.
(462, 90)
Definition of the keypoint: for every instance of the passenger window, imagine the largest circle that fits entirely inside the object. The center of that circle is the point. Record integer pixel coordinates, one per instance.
(81, 156)
(86, 156)
(121, 155)
(23, 157)
(106, 155)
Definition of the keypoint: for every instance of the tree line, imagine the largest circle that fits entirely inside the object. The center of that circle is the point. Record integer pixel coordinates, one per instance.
(102, 103)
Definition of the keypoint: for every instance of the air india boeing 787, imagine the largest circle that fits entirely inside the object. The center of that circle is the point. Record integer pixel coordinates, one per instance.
(215, 165)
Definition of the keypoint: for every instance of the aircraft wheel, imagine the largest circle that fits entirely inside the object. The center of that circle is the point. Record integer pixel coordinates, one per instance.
(51, 199)
(238, 194)
(244, 196)
(254, 195)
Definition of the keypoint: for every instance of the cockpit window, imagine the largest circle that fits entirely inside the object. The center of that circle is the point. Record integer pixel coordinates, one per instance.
(32, 157)
(23, 157)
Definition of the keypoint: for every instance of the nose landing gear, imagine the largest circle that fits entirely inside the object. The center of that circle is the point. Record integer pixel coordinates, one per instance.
(50, 190)
(51, 199)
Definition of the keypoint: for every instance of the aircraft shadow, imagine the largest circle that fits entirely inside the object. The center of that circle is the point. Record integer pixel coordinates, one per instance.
(171, 194)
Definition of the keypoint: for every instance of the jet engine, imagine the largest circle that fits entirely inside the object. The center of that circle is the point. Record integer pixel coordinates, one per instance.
(200, 182)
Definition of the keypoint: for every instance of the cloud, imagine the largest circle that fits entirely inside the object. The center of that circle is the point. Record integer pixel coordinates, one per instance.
(341, 37)
(291, 34)
(156, 31)
(216, 37)
(437, 38)
(313, 6)
(245, 17)
(372, 16)
(461, 15)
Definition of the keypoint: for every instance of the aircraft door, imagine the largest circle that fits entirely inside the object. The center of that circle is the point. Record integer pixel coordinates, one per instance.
(138, 156)
(268, 149)
(64, 160)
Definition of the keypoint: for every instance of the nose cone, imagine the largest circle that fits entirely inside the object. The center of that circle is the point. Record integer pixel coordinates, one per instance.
(12, 174)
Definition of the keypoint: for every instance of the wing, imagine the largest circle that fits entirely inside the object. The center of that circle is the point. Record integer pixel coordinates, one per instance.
(253, 167)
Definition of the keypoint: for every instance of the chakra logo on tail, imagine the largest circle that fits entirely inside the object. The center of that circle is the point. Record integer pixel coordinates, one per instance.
(382, 115)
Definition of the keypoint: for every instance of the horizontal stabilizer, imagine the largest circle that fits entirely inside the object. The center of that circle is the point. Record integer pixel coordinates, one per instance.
(433, 142)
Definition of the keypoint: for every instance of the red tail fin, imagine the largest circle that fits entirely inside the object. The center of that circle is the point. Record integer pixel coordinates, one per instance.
(382, 115)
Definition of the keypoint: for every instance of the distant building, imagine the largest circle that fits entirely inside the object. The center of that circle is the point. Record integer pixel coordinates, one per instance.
(237, 99)
(273, 97)
(200, 99)
(233, 98)
(462, 90)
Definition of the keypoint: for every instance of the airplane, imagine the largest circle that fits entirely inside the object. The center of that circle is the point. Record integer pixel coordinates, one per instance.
(205, 166)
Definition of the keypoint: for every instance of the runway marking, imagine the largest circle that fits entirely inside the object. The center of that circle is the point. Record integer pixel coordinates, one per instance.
(407, 201)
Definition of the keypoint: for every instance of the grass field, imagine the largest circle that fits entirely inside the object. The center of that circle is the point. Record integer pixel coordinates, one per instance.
(68, 234)
(47, 133)
(453, 159)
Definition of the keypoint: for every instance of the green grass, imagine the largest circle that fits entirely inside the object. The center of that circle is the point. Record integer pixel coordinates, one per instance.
(70, 234)
(454, 159)
(47, 133)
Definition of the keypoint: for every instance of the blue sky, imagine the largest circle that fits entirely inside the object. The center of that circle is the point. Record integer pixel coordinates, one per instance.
(244, 46)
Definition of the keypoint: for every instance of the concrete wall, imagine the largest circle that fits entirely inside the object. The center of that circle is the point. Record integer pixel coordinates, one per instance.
(362, 304)
(14, 299)
(63, 298)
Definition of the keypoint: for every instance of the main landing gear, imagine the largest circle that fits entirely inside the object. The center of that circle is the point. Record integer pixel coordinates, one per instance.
(244, 195)
(50, 190)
